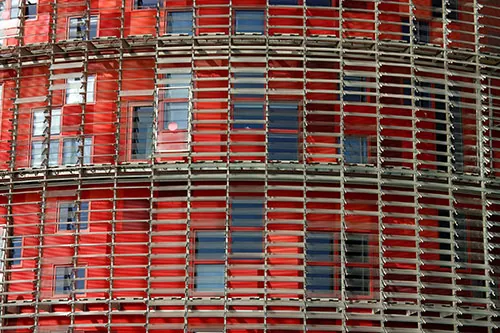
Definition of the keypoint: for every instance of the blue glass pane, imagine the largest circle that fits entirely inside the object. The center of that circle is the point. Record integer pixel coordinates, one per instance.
(209, 278)
(180, 22)
(141, 4)
(247, 212)
(351, 86)
(247, 244)
(176, 116)
(405, 29)
(252, 83)
(249, 21)
(283, 115)
(16, 244)
(80, 283)
(245, 112)
(324, 3)
(319, 246)
(283, 2)
(181, 86)
(210, 245)
(355, 149)
(84, 215)
(358, 280)
(67, 216)
(319, 278)
(283, 146)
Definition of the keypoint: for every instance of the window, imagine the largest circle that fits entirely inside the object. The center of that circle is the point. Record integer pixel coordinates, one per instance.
(209, 261)
(247, 228)
(457, 132)
(67, 216)
(451, 5)
(69, 280)
(284, 2)
(353, 89)
(405, 30)
(248, 100)
(249, 21)
(71, 148)
(143, 4)
(38, 129)
(180, 22)
(358, 269)
(78, 28)
(176, 107)
(318, 3)
(142, 127)
(30, 9)
(355, 149)
(461, 238)
(16, 245)
(407, 92)
(319, 255)
(74, 90)
(283, 131)
(422, 33)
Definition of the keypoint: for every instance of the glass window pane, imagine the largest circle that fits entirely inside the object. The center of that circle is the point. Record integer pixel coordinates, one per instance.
(283, 146)
(36, 154)
(78, 28)
(176, 116)
(283, 2)
(80, 282)
(283, 116)
(84, 215)
(210, 245)
(357, 248)
(180, 22)
(142, 4)
(352, 85)
(16, 244)
(358, 281)
(247, 212)
(30, 9)
(55, 122)
(38, 123)
(319, 246)
(90, 88)
(63, 281)
(247, 244)
(355, 149)
(249, 85)
(209, 278)
(142, 132)
(14, 9)
(319, 278)
(73, 89)
(67, 212)
(70, 151)
(54, 153)
(249, 21)
(313, 3)
(246, 113)
(178, 85)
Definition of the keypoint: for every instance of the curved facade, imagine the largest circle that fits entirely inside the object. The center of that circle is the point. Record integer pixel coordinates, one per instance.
(249, 166)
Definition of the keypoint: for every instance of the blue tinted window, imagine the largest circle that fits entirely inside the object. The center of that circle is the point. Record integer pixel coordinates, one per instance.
(319, 278)
(319, 246)
(352, 85)
(405, 29)
(178, 86)
(209, 278)
(180, 22)
(249, 21)
(210, 245)
(16, 244)
(249, 85)
(283, 2)
(313, 3)
(246, 113)
(283, 146)
(247, 244)
(68, 278)
(355, 149)
(78, 28)
(67, 216)
(247, 212)
(142, 4)
(176, 116)
(283, 116)
(407, 92)
(422, 31)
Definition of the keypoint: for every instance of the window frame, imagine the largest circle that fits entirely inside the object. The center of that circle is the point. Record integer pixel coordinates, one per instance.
(73, 223)
(419, 28)
(195, 261)
(168, 14)
(10, 9)
(365, 159)
(243, 124)
(16, 262)
(166, 99)
(79, 94)
(330, 263)
(351, 97)
(83, 38)
(246, 227)
(130, 132)
(364, 265)
(248, 9)
(285, 131)
(135, 7)
(84, 281)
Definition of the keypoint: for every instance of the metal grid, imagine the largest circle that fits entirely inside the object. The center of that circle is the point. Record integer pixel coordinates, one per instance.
(408, 195)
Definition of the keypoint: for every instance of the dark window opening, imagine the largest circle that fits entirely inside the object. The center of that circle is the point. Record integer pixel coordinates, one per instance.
(318, 3)
(142, 132)
(284, 2)
(357, 259)
(422, 32)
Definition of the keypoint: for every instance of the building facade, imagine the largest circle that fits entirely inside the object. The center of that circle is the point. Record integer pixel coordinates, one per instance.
(249, 166)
